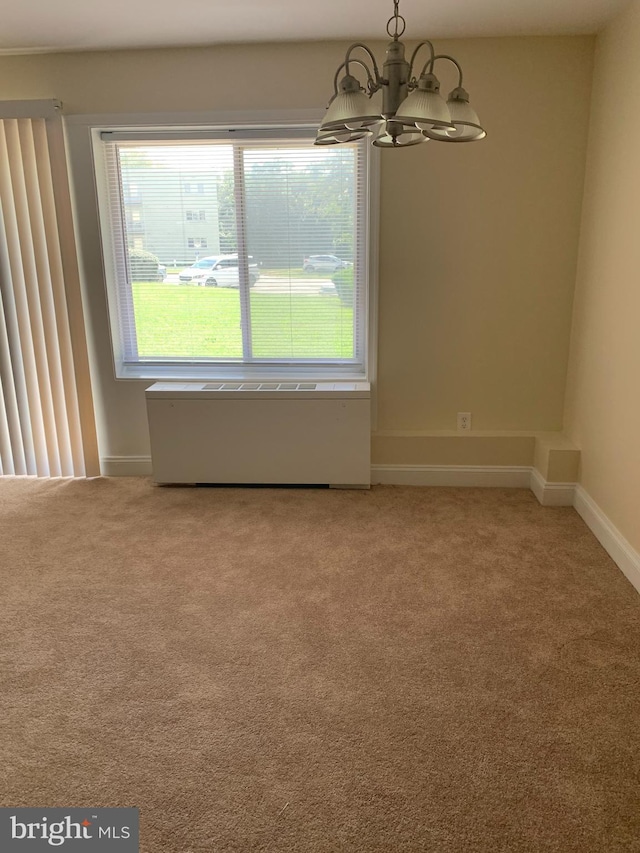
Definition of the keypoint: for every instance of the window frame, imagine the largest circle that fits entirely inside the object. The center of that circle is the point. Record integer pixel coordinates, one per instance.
(180, 128)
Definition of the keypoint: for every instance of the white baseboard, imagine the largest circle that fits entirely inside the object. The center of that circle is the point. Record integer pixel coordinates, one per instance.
(125, 466)
(397, 475)
(551, 494)
(452, 475)
(619, 549)
(505, 476)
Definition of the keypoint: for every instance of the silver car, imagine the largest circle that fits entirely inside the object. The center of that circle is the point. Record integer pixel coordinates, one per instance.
(218, 271)
(324, 263)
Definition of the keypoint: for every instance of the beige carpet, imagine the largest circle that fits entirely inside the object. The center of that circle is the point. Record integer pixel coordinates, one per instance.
(307, 670)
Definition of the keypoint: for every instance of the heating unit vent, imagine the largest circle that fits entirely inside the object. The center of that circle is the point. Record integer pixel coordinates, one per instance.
(260, 386)
(260, 432)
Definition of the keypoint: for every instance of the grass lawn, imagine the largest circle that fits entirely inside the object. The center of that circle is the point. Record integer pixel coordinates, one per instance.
(182, 321)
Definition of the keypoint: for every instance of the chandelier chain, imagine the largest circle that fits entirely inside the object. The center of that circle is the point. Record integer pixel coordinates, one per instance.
(396, 19)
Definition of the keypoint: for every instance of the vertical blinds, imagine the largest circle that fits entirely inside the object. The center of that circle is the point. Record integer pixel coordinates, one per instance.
(46, 409)
(252, 251)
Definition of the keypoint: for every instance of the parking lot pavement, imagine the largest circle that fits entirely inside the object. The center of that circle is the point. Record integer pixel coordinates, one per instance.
(277, 284)
(309, 286)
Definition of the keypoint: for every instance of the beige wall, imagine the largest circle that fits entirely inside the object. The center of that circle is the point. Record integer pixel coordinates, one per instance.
(603, 390)
(478, 243)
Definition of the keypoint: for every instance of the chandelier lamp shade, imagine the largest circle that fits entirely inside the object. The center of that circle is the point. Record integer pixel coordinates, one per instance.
(412, 110)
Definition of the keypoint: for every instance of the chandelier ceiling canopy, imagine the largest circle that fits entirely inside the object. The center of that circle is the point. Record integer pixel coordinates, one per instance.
(413, 110)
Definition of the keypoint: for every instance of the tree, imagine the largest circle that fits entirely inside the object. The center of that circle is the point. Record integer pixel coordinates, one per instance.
(143, 265)
(295, 209)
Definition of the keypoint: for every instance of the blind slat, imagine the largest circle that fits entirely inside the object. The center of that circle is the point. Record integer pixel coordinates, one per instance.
(38, 289)
(16, 300)
(56, 321)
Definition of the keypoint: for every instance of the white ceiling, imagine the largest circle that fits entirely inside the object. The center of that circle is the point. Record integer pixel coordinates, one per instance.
(36, 25)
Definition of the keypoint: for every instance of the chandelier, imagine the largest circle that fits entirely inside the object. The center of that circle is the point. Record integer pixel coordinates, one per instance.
(413, 111)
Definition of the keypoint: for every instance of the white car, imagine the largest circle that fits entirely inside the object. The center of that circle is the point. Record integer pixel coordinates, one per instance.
(218, 271)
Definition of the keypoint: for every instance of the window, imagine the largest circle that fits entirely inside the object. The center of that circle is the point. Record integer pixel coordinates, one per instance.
(254, 305)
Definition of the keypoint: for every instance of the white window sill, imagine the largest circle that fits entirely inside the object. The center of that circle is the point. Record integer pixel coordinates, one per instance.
(240, 373)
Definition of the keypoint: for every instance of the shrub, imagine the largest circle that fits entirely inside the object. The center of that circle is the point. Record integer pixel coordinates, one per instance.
(143, 265)
(343, 281)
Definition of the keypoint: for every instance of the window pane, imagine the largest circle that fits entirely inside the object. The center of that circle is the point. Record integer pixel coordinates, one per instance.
(299, 205)
(183, 316)
(252, 251)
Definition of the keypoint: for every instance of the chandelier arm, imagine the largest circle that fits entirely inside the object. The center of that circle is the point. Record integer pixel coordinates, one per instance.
(364, 65)
(376, 73)
(444, 56)
(415, 53)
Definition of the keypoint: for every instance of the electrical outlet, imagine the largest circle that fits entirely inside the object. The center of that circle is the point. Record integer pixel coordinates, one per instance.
(464, 421)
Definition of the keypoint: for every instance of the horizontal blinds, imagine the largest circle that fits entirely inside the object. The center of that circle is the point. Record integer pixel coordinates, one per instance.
(300, 219)
(251, 251)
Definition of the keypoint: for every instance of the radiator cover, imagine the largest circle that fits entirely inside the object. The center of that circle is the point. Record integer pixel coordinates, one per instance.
(252, 432)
